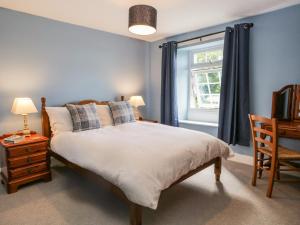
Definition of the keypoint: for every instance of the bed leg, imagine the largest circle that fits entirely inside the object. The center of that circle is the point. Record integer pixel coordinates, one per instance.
(218, 168)
(135, 214)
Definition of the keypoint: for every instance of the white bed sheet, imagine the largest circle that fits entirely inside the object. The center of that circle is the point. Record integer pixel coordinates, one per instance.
(140, 158)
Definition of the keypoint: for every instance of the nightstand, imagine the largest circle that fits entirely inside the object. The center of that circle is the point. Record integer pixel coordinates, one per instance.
(24, 162)
(147, 120)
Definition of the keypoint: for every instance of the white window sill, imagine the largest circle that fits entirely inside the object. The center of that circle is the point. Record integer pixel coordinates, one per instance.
(208, 124)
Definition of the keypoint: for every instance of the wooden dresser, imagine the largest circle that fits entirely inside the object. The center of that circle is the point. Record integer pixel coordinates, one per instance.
(24, 162)
(286, 109)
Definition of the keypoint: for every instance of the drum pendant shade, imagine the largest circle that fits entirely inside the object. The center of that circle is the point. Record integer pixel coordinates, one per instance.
(142, 19)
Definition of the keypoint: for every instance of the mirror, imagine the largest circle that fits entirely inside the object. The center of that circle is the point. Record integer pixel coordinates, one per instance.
(283, 103)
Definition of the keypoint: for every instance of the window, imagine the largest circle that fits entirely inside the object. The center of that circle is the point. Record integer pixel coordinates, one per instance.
(199, 73)
(205, 80)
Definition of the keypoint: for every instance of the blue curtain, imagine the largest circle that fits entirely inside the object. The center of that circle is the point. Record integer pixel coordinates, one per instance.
(234, 99)
(169, 111)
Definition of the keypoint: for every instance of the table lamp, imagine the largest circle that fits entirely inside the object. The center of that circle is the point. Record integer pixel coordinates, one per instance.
(137, 101)
(24, 106)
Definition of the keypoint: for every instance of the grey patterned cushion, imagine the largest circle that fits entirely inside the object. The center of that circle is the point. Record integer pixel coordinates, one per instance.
(84, 117)
(122, 112)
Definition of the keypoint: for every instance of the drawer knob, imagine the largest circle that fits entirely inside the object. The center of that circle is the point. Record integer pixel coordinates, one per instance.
(28, 149)
(29, 170)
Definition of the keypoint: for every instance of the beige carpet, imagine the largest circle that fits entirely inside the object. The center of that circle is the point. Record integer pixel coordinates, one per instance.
(73, 200)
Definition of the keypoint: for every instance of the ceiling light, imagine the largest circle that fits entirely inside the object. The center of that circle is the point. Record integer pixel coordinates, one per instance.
(142, 19)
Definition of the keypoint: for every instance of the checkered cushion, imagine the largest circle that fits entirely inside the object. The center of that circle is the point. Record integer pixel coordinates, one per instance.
(84, 117)
(122, 112)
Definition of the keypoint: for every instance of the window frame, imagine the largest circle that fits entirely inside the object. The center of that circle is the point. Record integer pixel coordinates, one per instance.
(203, 114)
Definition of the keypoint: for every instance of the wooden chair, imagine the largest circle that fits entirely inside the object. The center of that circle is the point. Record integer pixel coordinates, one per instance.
(265, 142)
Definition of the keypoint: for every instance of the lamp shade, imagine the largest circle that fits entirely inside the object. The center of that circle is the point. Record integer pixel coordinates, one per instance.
(23, 106)
(142, 19)
(136, 101)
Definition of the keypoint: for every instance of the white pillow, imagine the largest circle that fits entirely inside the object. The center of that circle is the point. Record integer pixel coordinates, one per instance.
(104, 115)
(60, 119)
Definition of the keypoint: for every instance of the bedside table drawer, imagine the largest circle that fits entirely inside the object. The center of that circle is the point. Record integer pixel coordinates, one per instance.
(28, 170)
(27, 160)
(26, 150)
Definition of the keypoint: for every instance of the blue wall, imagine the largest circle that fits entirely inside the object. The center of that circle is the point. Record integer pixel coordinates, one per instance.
(274, 62)
(64, 62)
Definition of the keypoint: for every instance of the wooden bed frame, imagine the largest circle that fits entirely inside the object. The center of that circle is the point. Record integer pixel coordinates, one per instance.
(135, 209)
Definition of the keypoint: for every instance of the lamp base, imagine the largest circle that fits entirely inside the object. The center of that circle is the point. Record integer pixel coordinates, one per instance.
(136, 113)
(26, 132)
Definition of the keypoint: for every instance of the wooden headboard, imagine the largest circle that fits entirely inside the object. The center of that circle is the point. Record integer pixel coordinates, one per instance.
(46, 129)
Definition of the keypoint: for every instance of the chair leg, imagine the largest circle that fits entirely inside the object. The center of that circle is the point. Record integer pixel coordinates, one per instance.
(254, 169)
(272, 176)
(261, 164)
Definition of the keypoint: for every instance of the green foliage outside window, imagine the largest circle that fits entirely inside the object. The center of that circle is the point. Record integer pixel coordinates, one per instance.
(208, 56)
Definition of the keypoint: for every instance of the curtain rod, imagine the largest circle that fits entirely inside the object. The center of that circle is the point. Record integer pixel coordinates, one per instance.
(247, 25)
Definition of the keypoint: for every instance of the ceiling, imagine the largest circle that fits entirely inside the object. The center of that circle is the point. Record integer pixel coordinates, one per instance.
(174, 16)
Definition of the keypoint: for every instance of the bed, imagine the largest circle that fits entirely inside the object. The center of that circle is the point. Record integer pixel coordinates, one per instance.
(137, 161)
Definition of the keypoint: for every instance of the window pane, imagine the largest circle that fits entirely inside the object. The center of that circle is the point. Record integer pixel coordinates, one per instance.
(215, 55)
(199, 57)
(215, 88)
(204, 99)
(215, 99)
(213, 77)
(203, 89)
(201, 77)
(208, 56)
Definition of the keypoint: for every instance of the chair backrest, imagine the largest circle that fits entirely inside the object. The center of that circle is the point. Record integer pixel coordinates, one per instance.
(262, 127)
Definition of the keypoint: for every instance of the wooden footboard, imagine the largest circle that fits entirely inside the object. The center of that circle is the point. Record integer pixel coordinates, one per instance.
(135, 210)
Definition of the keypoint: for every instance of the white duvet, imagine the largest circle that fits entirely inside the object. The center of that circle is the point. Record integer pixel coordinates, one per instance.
(140, 158)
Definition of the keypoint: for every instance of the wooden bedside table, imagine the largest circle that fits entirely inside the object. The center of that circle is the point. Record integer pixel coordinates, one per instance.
(24, 162)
